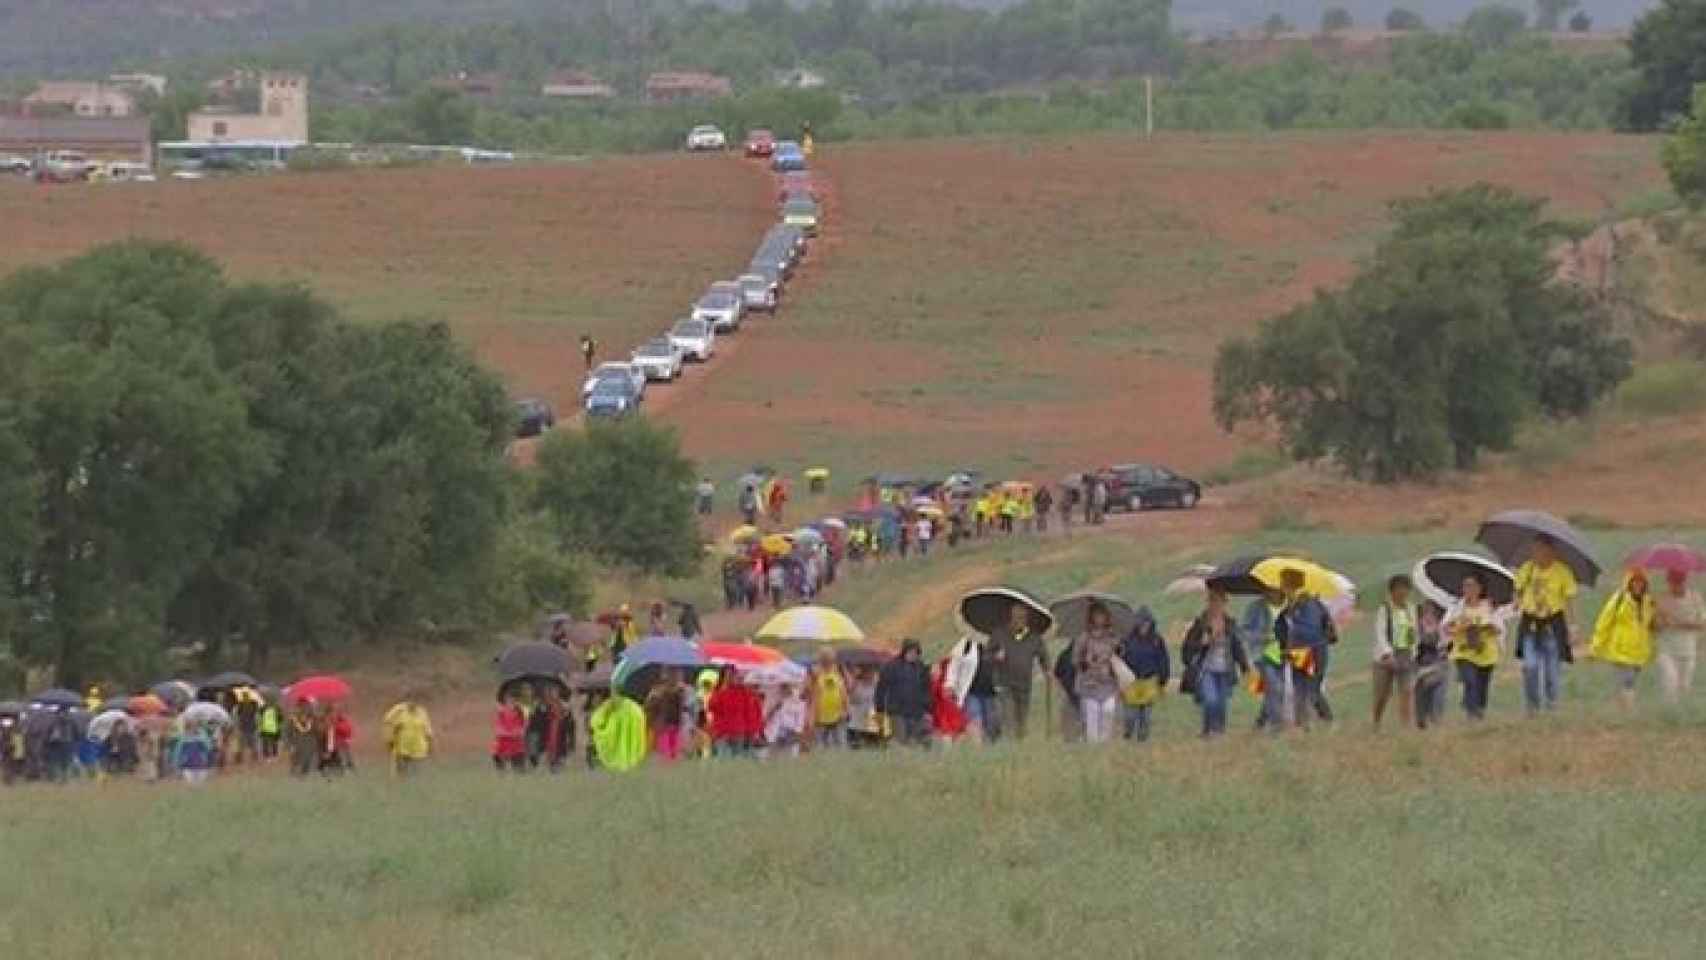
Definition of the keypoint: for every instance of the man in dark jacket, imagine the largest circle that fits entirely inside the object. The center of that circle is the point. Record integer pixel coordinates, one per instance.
(1018, 650)
(903, 695)
(1306, 624)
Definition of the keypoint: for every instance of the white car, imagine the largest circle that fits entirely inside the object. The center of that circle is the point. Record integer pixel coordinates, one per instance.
(722, 309)
(696, 339)
(706, 137)
(610, 371)
(15, 164)
(659, 359)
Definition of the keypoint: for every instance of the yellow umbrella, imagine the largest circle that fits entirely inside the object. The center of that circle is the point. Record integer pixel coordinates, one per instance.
(932, 511)
(776, 544)
(743, 533)
(1319, 581)
(811, 624)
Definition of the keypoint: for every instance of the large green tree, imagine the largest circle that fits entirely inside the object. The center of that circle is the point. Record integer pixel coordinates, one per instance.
(1448, 338)
(1668, 48)
(622, 493)
(183, 461)
(139, 448)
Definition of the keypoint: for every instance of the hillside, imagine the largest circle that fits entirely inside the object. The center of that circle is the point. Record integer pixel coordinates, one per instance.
(59, 37)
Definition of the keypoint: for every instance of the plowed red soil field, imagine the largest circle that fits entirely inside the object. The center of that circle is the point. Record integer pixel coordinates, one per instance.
(519, 260)
(1026, 306)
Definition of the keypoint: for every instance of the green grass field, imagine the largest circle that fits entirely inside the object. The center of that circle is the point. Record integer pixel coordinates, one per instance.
(1513, 840)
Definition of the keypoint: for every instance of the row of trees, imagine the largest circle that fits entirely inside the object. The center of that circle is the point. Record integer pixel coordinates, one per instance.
(234, 470)
(1451, 335)
(1434, 80)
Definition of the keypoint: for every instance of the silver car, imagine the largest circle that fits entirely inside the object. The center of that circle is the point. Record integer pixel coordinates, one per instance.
(758, 292)
(659, 359)
(695, 338)
(721, 309)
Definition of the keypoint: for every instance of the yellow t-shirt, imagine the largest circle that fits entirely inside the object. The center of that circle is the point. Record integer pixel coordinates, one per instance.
(1544, 592)
(1487, 630)
(831, 699)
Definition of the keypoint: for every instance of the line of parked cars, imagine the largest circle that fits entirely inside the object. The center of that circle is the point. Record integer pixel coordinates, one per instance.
(618, 388)
(72, 166)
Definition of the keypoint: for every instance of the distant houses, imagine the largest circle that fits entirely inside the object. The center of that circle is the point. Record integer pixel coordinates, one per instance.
(576, 85)
(82, 99)
(672, 87)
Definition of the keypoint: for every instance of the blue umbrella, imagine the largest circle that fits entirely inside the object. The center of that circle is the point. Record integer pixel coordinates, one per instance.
(644, 659)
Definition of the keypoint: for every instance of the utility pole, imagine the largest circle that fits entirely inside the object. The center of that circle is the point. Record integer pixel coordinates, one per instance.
(1148, 105)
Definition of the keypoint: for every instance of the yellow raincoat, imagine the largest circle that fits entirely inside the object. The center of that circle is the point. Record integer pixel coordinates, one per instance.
(619, 733)
(1623, 634)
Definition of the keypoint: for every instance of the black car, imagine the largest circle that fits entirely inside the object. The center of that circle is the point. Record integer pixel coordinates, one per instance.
(533, 417)
(1140, 486)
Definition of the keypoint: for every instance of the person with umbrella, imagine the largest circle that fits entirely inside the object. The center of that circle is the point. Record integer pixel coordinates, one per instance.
(1017, 648)
(509, 735)
(1623, 633)
(1144, 653)
(1306, 631)
(1681, 614)
(1094, 680)
(664, 706)
(1546, 590)
(550, 729)
(1682, 618)
(829, 701)
(1476, 631)
(1261, 618)
(1214, 659)
(903, 695)
(1396, 637)
(408, 735)
(304, 738)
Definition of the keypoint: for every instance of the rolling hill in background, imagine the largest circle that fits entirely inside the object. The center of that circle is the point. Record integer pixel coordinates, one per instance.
(62, 37)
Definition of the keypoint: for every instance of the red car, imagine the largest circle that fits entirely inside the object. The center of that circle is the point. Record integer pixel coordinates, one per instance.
(760, 143)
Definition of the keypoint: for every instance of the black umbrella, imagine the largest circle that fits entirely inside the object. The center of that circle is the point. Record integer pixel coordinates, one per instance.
(1072, 613)
(1440, 576)
(988, 609)
(1511, 536)
(228, 680)
(1235, 578)
(598, 678)
(532, 660)
(57, 698)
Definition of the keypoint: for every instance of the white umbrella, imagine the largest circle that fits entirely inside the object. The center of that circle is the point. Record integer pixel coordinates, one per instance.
(102, 726)
(1450, 566)
(773, 674)
(200, 713)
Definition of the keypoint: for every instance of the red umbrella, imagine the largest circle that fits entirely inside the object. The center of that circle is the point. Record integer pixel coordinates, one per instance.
(741, 654)
(1669, 557)
(323, 689)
